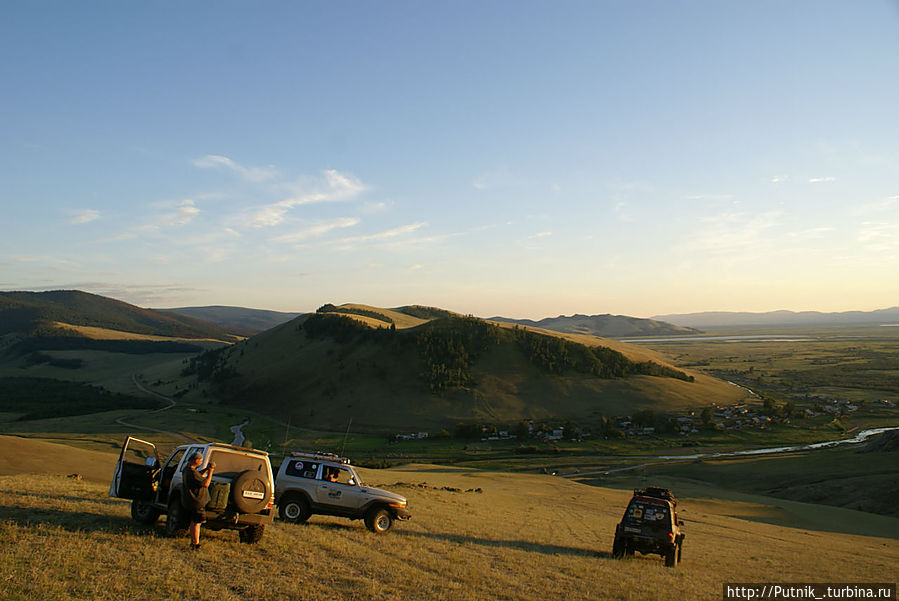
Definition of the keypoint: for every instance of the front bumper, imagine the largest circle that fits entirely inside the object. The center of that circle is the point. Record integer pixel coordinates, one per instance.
(402, 513)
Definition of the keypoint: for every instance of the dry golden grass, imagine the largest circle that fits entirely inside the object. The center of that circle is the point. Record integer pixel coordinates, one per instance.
(108, 334)
(524, 537)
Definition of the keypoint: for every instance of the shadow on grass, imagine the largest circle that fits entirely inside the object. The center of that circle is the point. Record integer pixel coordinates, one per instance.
(55, 497)
(73, 521)
(521, 545)
(461, 539)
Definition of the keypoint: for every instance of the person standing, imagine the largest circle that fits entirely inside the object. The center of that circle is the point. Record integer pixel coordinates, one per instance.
(195, 494)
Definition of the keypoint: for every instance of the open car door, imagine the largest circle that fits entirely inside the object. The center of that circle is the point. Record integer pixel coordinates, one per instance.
(136, 470)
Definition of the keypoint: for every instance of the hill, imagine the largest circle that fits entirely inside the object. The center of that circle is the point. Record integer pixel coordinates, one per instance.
(712, 319)
(521, 538)
(427, 368)
(76, 314)
(610, 326)
(235, 320)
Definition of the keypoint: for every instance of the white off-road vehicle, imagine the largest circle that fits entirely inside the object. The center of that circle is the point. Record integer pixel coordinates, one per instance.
(241, 492)
(325, 484)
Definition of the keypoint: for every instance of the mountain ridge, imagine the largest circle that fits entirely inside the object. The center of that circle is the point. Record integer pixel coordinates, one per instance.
(780, 318)
(604, 325)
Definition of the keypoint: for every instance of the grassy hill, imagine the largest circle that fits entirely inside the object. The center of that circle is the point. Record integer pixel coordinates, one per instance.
(522, 537)
(419, 367)
(76, 314)
(235, 320)
(610, 326)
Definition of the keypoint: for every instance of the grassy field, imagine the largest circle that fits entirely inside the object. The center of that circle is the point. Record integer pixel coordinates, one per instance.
(523, 537)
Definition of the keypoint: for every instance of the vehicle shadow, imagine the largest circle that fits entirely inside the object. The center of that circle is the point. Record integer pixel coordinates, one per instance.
(521, 545)
(73, 521)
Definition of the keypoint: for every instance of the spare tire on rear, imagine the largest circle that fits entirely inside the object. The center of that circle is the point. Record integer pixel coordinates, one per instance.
(249, 492)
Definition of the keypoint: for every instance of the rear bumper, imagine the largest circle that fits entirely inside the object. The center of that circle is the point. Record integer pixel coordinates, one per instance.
(238, 520)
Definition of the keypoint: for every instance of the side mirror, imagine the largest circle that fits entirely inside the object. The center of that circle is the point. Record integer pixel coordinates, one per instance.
(351, 482)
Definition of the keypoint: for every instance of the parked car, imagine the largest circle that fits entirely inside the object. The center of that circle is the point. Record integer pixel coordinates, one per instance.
(325, 484)
(650, 526)
(241, 492)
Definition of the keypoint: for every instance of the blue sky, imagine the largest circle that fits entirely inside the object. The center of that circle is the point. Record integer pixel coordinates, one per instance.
(525, 159)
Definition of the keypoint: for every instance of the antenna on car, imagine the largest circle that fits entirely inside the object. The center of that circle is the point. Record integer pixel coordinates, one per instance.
(343, 447)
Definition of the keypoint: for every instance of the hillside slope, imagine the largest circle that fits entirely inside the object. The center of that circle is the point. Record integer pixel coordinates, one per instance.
(608, 326)
(522, 538)
(388, 370)
(235, 320)
(61, 313)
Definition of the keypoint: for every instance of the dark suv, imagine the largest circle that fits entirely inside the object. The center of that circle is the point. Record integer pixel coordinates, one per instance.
(242, 491)
(650, 526)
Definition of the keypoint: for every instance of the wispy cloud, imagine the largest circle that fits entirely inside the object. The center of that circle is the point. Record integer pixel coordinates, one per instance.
(85, 216)
(332, 186)
(498, 178)
(385, 235)
(251, 174)
(779, 179)
(540, 235)
(183, 214)
(879, 236)
(317, 229)
(821, 180)
(729, 232)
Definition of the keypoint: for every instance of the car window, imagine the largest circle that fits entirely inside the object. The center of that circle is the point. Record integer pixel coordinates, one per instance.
(340, 475)
(646, 512)
(231, 464)
(300, 468)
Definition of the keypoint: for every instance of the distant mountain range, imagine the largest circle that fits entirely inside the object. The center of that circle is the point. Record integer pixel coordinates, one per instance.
(606, 326)
(713, 319)
(237, 320)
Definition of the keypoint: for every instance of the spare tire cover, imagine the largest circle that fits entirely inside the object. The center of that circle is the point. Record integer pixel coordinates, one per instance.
(250, 492)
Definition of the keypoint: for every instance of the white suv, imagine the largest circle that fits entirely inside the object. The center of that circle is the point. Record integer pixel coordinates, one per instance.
(325, 484)
(241, 492)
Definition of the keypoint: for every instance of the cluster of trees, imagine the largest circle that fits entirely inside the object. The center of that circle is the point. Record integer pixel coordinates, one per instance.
(40, 398)
(133, 347)
(450, 347)
(210, 366)
(557, 355)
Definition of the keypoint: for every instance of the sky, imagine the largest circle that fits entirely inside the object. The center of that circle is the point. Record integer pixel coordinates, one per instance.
(515, 158)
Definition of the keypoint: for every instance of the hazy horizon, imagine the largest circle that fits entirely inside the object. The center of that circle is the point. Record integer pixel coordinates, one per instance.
(508, 159)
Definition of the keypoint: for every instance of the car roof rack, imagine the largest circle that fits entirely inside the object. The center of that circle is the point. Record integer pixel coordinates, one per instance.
(321, 455)
(656, 493)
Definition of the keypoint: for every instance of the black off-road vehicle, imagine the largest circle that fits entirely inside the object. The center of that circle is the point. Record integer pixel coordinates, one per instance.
(650, 526)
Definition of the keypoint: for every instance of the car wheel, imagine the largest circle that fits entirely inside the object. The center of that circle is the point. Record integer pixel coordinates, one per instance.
(143, 512)
(671, 556)
(176, 520)
(680, 548)
(629, 548)
(250, 492)
(251, 534)
(379, 521)
(294, 509)
(618, 548)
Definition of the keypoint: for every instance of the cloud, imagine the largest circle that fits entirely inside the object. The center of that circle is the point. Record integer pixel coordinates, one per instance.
(332, 186)
(540, 235)
(317, 229)
(181, 216)
(85, 216)
(251, 174)
(499, 178)
(879, 236)
(821, 180)
(385, 235)
(777, 179)
(730, 232)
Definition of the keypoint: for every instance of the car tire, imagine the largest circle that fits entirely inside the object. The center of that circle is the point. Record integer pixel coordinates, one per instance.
(176, 519)
(294, 509)
(671, 556)
(250, 481)
(251, 534)
(618, 548)
(144, 513)
(379, 520)
(680, 548)
(629, 549)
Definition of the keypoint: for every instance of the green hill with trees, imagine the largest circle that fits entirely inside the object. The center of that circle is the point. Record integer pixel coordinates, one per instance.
(421, 367)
